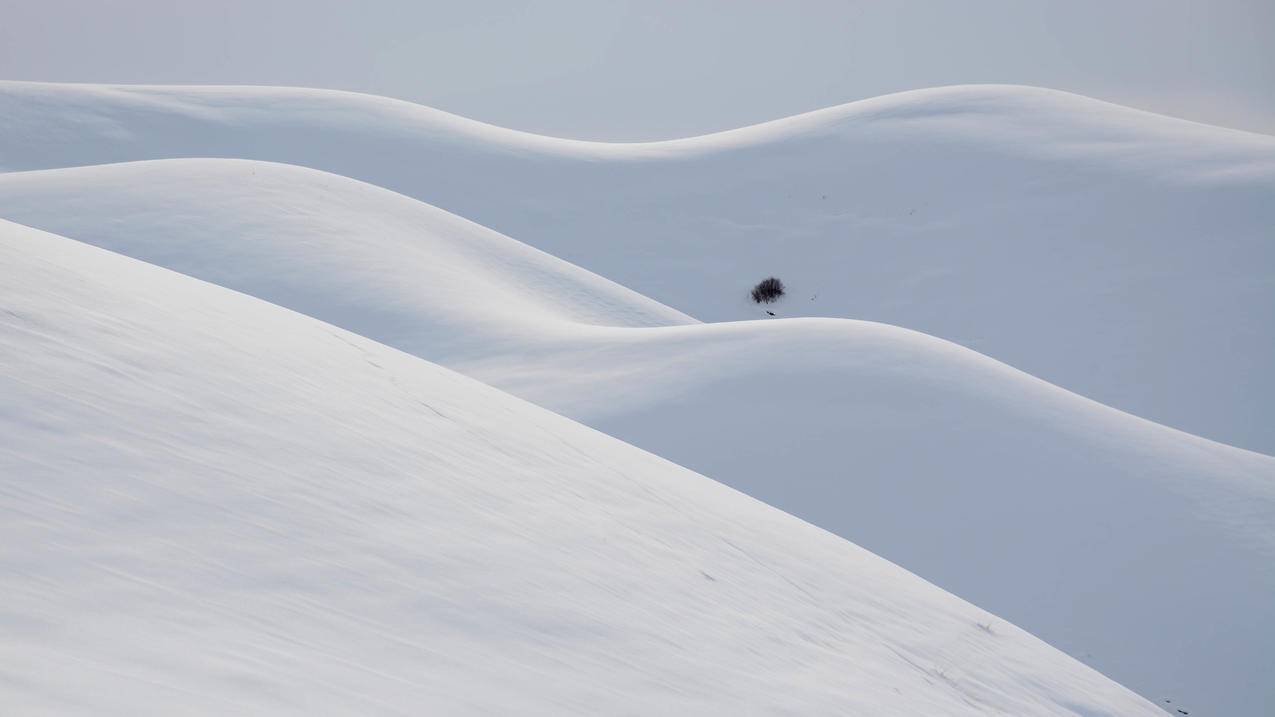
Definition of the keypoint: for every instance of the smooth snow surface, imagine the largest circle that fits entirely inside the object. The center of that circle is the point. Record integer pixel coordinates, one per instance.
(1102, 533)
(216, 506)
(1120, 254)
(400, 271)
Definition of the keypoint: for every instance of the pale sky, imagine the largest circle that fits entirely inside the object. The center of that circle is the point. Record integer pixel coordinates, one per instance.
(629, 70)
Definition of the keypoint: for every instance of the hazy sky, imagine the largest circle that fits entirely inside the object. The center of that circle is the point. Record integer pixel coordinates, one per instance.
(605, 69)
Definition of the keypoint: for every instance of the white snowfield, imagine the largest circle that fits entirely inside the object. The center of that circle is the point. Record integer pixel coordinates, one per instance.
(1122, 255)
(1100, 532)
(213, 505)
(158, 441)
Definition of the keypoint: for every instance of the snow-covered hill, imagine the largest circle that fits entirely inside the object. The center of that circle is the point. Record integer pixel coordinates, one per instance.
(213, 505)
(1102, 533)
(1122, 255)
(388, 266)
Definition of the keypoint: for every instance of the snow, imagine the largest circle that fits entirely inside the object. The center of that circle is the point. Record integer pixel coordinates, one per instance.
(1117, 255)
(1120, 254)
(215, 505)
(1144, 551)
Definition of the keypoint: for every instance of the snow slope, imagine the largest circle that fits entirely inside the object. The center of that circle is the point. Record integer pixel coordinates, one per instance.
(1104, 534)
(1123, 255)
(213, 505)
(396, 270)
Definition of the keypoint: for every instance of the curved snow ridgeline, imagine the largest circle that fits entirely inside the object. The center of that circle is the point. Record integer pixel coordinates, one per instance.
(1120, 254)
(214, 505)
(920, 450)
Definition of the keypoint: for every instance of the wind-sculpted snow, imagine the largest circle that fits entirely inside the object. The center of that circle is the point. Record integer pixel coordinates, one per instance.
(1123, 255)
(401, 271)
(213, 505)
(1104, 534)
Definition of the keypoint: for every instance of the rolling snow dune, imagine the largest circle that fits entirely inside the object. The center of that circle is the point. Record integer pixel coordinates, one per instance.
(404, 272)
(1105, 534)
(1123, 255)
(215, 505)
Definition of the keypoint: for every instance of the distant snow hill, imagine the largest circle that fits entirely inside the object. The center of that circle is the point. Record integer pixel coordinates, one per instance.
(213, 505)
(1120, 254)
(1107, 535)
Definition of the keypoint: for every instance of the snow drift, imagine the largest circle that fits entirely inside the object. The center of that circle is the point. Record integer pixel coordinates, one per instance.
(1124, 532)
(216, 505)
(1123, 255)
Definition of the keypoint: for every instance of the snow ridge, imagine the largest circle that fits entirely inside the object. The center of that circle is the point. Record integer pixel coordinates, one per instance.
(1092, 245)
(1116, 253)
(213, 504)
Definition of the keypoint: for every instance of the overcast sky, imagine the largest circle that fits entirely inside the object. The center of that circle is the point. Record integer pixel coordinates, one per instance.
(603, 69)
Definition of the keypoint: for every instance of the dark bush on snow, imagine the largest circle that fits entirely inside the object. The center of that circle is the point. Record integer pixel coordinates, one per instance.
(768, 290)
